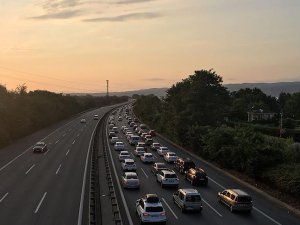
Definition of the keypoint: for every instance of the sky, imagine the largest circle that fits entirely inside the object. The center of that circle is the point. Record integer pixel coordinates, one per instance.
(76, 45)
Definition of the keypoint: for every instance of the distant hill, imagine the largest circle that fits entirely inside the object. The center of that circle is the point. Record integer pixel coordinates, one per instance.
(156, 91)
(273, 89)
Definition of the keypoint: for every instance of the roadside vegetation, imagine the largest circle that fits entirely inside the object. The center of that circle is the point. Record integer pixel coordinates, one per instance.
(23, 112)
(202, 116)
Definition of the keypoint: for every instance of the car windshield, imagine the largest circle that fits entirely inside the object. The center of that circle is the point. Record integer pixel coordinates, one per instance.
(244, 199)
(164, 149)
(171, 176)
(160, 165)
(172, 154)
(129, 163)
(131, 177)
(154, 209)
(148, 156)
(40, 144)
(193, 198)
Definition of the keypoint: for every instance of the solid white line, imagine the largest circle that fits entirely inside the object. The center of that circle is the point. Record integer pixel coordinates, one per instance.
(56, 142)
(144, 172)
(170, 209)
(80, 212)
(64, 134)
(216, 183)
(41, 201)
(47, 151)
(29, 169)
(119, 185)
(3, 197)
(219, 214)
(18, 156)
(73, 142)
(67, 152)
(270, 218)
(57, 171)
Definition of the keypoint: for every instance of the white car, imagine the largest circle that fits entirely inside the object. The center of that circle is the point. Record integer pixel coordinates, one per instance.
(150, 209)
(128, 165)
(115, 129)
(167, 177)
(147, 158)
(128, 134)
(96, 117)
(155, 146)
(83, 121)
(124, 155)
(162, 151)
(170, 157)
(138, 151)
(119, 146)
(130, 180)
(113, 140)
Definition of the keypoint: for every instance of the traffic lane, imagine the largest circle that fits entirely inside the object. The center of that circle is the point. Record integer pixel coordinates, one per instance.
(67, 191)
(270, 212)
(149, 185)
(35, 182)
(256, 216)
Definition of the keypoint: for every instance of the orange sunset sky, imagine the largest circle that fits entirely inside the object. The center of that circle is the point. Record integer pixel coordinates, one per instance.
(76, 45)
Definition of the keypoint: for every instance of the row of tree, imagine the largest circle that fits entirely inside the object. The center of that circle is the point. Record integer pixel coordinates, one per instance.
(195, 114)
(23, 112)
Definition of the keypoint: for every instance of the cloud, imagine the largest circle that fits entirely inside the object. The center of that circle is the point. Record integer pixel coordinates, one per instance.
(124, 17)
(58, 15)
(154, 79)
(133, 1)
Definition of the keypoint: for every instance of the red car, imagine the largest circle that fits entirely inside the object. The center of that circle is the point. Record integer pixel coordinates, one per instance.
(152, 133)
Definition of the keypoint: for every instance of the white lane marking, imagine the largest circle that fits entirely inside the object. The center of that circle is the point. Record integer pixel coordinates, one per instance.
(216, 183)
(50, 143)
(176, 217)
(56, 142)
(132, 155)
(64, 134)
(73, 142)
(67, 152)
(57, 171)
(80, 212)
(119, 185)
(264, 214)
(219, 214)
(29, 169)
(144, 172)
(77, 135)
(18, 156)
(1, 200)
(41, 201)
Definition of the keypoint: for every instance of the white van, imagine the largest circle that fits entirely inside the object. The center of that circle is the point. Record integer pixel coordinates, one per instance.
(134, 139)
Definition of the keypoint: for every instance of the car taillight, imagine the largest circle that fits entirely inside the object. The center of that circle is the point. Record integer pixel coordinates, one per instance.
(145, 214)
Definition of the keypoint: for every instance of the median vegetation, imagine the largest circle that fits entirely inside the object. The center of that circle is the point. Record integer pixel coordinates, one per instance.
(23, 112)
(201, 115)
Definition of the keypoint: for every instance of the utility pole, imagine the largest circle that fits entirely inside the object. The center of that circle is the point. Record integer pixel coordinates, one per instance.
(107, 81)
(281, 130)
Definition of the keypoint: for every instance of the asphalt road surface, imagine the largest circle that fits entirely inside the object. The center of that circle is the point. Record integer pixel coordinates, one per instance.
(47, 188)
(263, 213)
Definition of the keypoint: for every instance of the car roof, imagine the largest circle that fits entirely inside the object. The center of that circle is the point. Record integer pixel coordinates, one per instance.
(124, 152)
(40, 143)
(119, 143)
(159, 163)
(148, 153)
(168, 171)
(140, 148)
(239, 192)
(128, 160)
(189, 191)
(171, 153)
(156, 143)
(130, 173)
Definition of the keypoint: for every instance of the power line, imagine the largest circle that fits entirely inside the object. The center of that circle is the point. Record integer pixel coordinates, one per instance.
(47, 77)
(48, 84)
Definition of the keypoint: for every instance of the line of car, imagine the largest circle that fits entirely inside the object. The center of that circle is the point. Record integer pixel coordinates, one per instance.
(187, 199)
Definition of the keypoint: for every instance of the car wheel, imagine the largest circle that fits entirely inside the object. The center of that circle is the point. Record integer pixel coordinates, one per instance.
(231, 209)
(162, 185)
(192, 182)
(183, 209)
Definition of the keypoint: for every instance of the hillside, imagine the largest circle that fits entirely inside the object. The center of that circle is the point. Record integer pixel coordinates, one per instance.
(273, 89)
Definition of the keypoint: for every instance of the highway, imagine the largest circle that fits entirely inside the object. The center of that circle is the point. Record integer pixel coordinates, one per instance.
(264, 212)
(47, 188)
